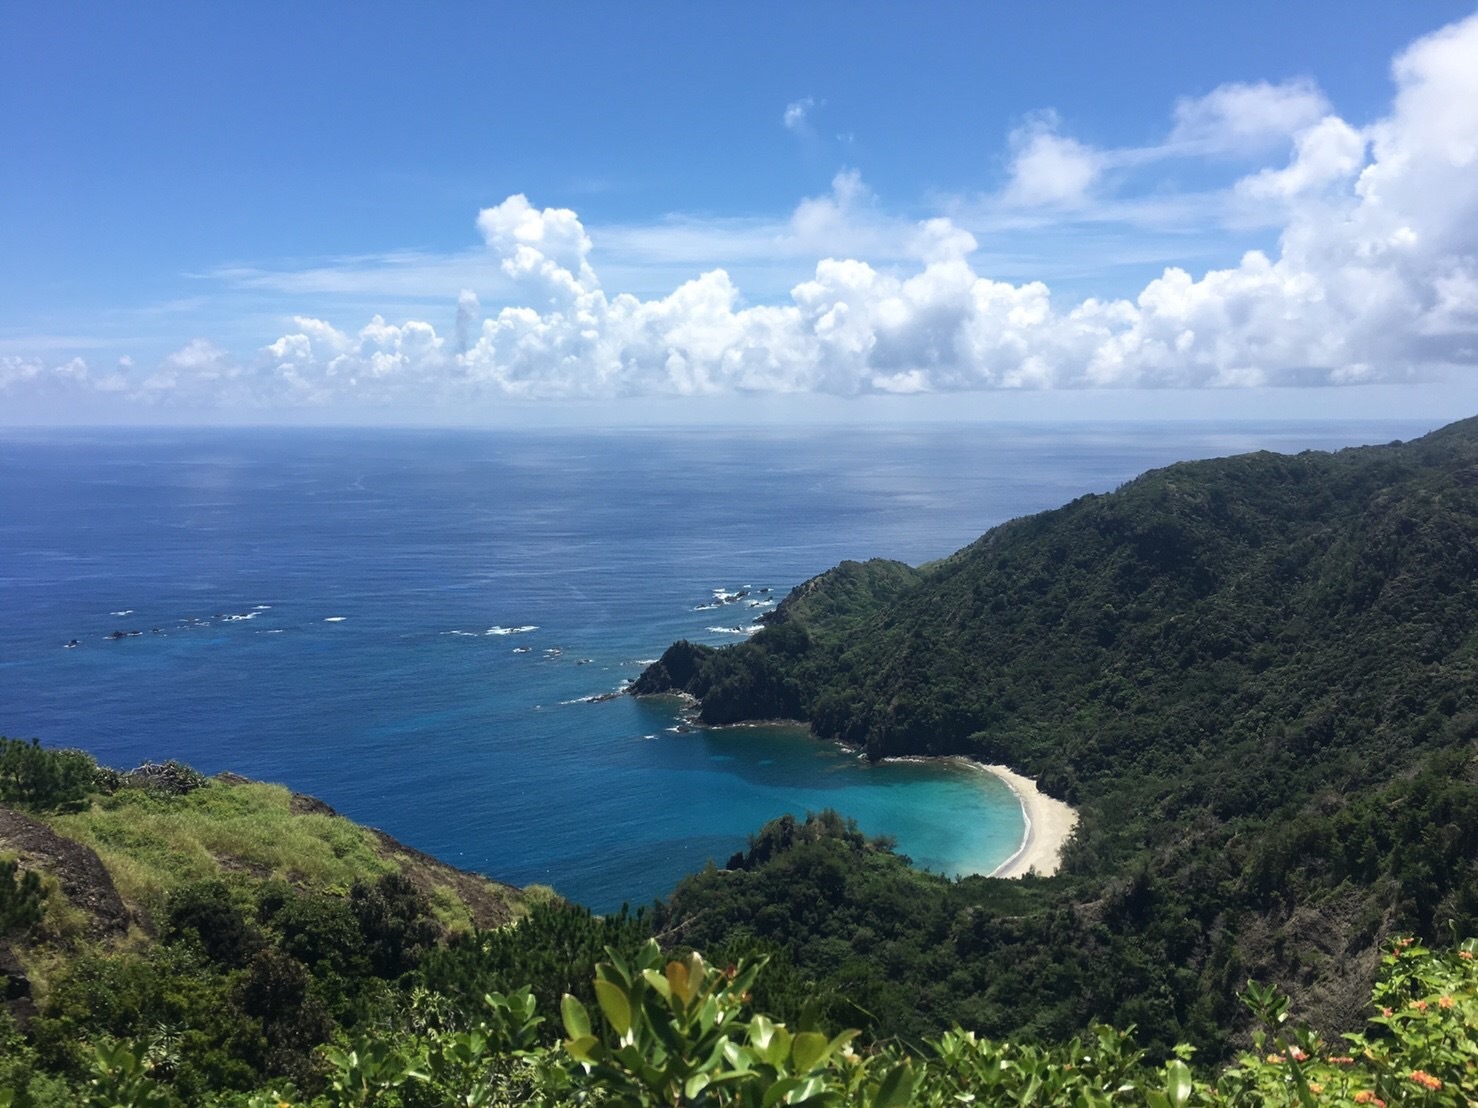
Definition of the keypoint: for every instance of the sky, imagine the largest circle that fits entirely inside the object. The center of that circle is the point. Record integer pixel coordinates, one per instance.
(573, 212)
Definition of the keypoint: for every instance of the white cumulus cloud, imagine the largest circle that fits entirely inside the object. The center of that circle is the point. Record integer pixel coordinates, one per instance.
(1374, 278)
(1048, 168)
(1327, 153)
(1247, 118)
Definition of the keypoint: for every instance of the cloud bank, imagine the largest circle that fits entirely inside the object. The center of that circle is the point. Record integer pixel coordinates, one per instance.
(1375, 279)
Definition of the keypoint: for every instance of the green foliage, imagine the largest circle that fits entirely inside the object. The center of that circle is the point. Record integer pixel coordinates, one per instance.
(1257, 680)
(1422, 1046)
(684, 1032)
(206, 913)
(553, 948)
(120, 1076)
(21, 897)
(274, 931)
(320, 931)
(901, 953)
(679, 1034)
(31, 776)
(280, 993)
(395, 923)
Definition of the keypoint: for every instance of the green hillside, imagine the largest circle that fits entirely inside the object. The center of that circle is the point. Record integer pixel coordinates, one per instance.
(1254, 677)
(233, 925)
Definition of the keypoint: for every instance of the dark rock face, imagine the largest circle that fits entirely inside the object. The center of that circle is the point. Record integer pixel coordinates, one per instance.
(83, 877)
(301, 804)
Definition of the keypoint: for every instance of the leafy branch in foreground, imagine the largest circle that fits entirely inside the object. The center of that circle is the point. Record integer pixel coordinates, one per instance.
(684, 1033)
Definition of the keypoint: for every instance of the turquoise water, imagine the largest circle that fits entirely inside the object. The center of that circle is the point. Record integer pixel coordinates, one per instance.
(412, 624)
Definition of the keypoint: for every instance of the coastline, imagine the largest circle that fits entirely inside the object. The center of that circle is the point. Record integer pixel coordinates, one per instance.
(1049, 825)
(1048, 822)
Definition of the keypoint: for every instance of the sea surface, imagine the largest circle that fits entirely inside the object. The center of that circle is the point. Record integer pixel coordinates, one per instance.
(412, 624)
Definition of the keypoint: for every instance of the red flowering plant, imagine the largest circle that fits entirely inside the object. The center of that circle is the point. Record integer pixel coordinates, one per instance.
(1421, 1048)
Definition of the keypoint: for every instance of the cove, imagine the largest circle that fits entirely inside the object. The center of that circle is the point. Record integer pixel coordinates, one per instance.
(411, 625)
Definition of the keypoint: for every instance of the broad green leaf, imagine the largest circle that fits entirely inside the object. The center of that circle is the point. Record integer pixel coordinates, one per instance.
(695, 1085)
(658, 982)
(779, 1091)
(808, 1049)
(1178, 1083)
(761, 1028)
(576, 1019)
(896, 1087)
(839, 1043)
(614, 1004)
(779, 1048)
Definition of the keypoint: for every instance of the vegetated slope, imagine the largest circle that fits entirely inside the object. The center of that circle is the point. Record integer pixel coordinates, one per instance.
(1254, 676)
(233, 925)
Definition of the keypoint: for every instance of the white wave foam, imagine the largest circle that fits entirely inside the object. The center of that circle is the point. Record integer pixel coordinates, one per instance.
(734, 630)
(334, 619)
(125, 612)
(524, 630)
(262, 608)
(240, 617)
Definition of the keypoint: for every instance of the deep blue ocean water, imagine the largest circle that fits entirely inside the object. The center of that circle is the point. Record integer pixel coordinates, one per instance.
(409, 623)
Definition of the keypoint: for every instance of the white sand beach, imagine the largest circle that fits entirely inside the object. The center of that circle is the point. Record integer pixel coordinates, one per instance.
(1049, 824)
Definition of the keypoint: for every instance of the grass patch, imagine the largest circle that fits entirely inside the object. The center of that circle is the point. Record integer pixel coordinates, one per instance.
(61, 920)
(530, 898)
(151, 844)
(450, 912)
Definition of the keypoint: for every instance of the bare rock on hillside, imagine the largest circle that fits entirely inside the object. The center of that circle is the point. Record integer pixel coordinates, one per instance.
(83, 877)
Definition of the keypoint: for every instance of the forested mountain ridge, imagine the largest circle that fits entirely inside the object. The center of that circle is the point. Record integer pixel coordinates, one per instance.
(1224, 572)
(1254, 676)
(1330, 588)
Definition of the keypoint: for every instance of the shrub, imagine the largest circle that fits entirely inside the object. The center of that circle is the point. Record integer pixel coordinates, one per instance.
(20, 898)
(32, 776)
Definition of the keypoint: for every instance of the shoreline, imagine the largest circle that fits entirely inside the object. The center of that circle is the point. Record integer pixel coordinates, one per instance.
(1049, 824)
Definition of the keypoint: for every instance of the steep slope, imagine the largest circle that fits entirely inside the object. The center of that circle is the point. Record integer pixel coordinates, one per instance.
(236, 922)
(1262, 605)
(1229, 666)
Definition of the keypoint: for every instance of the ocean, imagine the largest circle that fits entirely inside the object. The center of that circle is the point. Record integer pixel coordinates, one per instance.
(413, 625)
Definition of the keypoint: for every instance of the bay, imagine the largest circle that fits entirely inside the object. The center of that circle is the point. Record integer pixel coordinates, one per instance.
(412, 624)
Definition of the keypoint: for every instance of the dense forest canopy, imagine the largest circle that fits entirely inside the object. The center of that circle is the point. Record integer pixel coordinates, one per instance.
(1254, 677)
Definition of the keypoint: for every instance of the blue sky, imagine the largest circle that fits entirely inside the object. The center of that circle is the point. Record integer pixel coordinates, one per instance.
(454, 212)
